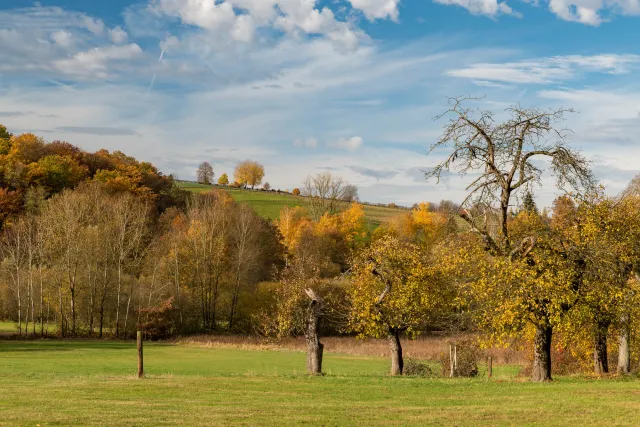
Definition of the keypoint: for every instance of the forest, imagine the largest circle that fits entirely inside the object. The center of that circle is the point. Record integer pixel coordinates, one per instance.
(100, 245)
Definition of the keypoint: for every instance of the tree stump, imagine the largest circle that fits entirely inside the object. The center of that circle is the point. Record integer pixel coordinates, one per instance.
(311, 333)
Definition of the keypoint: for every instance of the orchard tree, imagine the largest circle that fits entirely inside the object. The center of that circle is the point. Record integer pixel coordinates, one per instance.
(205, 174)
(223, 180)
(396, 289)
(249, 173)
(506, 156)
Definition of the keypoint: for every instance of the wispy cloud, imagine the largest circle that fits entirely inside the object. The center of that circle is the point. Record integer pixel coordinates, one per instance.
(546, 70)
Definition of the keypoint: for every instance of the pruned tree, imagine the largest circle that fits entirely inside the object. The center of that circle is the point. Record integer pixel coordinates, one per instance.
(507, 156)
(205, 173)
(315, 348)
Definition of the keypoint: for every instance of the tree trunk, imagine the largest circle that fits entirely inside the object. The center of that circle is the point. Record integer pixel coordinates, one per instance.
(397, 362)
(118, 298)
(542, 354)
(72, 290)
(600, 360)
(314, 347)
(624, 356)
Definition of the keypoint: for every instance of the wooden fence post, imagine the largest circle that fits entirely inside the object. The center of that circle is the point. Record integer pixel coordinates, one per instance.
(451, 360)
(489, 367)
(140, 363)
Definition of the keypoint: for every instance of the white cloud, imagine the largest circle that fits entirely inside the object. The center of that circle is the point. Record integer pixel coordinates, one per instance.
(95, 62)
(96, 26)
(238, 20)
(589, 12)
(547, 70)
(62, 38)
(118, 35)
(377, 9)
(491, 8)
(349, 144)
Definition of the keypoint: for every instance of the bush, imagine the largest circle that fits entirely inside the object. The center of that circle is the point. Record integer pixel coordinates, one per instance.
(296, 192)
(468, 353)
(393, 205)
(418, 368)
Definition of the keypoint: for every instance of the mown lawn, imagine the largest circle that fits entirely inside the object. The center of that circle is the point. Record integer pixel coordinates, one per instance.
(269, 204)
(91, 383)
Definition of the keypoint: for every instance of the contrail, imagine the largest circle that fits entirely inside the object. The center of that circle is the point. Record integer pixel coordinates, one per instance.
(153, 79)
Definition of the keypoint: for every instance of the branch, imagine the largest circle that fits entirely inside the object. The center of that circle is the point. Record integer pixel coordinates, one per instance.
(526, 246)
(387, 288)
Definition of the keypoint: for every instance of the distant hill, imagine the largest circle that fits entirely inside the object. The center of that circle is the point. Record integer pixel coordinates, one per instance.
(268, 204)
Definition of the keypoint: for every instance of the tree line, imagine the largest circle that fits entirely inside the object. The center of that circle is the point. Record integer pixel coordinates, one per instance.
(110, 250)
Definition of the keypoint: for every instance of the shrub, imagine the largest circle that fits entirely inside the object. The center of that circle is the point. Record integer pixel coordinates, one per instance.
(418, 368)
(296, 192)
(393, 205)
(468, 353)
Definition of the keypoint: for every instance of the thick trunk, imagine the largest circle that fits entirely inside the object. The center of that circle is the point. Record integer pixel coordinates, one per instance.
(397, 362)
(314, 347)
(504, 210)
(542, 354)
(600, 360)
(624, 356)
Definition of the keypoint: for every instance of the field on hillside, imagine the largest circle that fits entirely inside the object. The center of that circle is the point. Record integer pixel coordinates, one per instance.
(92, 383)
(269, 204)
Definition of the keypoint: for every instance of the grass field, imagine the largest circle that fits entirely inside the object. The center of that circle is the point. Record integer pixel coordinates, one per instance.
(269, 205)
(91, 383)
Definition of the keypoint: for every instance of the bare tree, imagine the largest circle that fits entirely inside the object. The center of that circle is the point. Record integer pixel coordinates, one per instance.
(130, 217)
(505, 157)
(326, 193)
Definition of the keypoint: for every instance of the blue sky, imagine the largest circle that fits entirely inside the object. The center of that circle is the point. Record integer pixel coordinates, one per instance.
(303, 86)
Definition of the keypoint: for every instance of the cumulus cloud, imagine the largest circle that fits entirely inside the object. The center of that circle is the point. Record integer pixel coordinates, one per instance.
(547, 70)
(589, 12)
(349, 144)
(239, 20)
(62, 38)
(377, 9)
(96, 26)
(118, 35)
(95, 62)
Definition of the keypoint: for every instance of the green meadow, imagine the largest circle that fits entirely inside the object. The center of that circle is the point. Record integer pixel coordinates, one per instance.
(51, 382)
(269, 204)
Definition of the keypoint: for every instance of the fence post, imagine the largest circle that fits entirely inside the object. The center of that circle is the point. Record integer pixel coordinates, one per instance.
(140, 362)
(451, 360)
(489, 367)
(455, 359)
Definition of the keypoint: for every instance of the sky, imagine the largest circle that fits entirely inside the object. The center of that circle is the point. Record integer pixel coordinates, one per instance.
(305, 86)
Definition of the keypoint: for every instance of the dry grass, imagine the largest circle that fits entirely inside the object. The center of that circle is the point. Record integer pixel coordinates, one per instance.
(423, 348)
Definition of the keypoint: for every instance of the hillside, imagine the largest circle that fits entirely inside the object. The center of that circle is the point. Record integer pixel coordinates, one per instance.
(269, 204)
